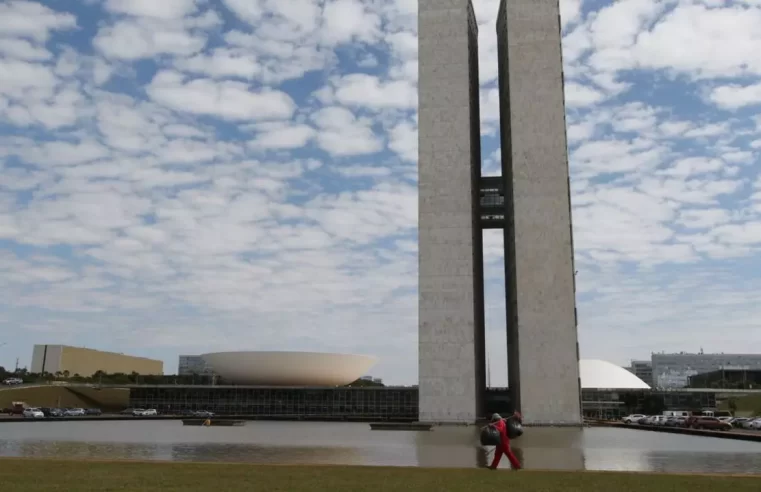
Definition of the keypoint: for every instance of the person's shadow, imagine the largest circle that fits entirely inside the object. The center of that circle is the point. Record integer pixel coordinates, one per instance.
(483, 457)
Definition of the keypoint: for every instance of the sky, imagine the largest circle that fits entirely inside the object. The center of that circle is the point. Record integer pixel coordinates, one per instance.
(188, 176)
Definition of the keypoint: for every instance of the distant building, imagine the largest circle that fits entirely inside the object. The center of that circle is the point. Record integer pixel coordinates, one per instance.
(192, 364)
(643, 369)
(674, 370)
(86, 362)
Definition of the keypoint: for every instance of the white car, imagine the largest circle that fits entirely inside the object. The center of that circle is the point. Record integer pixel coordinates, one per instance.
(755, 424)
(660, 420)
(139, 412)
(74, 412)
(13, 381)
(633, 419)
(33, 413)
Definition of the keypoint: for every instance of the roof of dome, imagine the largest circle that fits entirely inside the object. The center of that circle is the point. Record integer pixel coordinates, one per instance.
(289, 368)
(600, 374)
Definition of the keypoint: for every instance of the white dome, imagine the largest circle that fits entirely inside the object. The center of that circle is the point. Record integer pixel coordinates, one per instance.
(289, 368)
(600, 374)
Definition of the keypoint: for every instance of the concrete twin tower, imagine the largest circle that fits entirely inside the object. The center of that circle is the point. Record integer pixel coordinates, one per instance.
(530, 202)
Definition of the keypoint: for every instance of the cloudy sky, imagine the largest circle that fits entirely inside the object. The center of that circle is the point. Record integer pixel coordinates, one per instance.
(182, 176)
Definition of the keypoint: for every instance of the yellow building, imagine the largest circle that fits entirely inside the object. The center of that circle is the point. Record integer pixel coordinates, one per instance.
(85, 362)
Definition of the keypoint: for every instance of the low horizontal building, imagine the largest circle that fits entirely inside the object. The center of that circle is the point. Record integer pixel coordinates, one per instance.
(64, 359)
(359, 404)
(273, 401)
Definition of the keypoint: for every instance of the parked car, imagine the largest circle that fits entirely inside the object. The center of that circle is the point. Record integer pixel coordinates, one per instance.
(633, 419)
(755, 424)
(33, 413)
(205, 414)
(140, 412)
(74, 412)
(128, 411)
(660, 420)
(746, 423)
(13, 381)
(52, 412)
(93, 411)
(711, 423)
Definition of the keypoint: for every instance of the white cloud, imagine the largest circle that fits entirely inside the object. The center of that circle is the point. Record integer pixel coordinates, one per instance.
(282, 136)
(130, 40)
(577, 95)
(362, 90)
(222, 63)
(227, 99)
(349, 20)
(32, 20)
(23, 50)
(736, 96)
(342, 134)
(165, 9)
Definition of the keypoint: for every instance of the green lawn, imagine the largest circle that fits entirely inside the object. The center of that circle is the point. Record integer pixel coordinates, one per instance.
(24, 475)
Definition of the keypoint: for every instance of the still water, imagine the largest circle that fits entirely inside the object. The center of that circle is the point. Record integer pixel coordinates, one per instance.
(356, 444)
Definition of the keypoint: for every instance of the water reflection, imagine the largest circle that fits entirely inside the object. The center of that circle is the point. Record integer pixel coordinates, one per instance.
(356, 444)
(557, 449)
(266, 454)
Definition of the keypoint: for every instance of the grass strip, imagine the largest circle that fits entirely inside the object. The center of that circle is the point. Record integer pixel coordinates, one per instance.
(23, 475)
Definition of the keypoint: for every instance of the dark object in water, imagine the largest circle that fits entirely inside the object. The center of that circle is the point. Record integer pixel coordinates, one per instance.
(490, 436)
(514, 428)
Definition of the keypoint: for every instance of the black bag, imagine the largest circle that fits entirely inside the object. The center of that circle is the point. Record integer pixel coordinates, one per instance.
(490, 436)
(514, 428)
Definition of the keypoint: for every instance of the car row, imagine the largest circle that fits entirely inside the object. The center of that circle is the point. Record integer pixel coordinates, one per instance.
(142, 412)
(749, 423)
(695, 421)
(46, 412)
(139, 412)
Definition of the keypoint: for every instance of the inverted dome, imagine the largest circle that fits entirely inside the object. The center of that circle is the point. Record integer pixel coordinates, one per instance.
(600, 374)
(289, 368)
